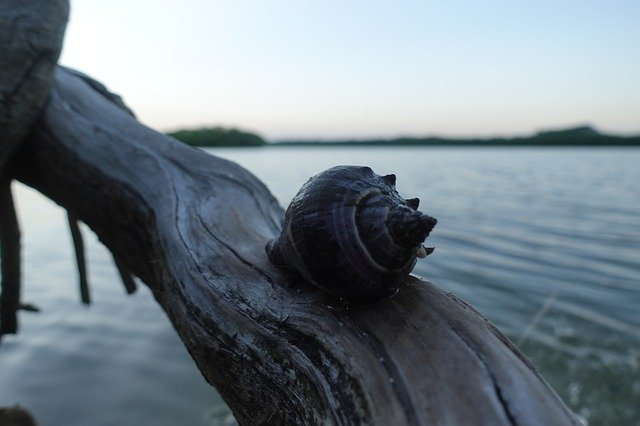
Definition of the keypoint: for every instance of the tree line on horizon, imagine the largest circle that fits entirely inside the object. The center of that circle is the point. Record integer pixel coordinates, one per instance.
(217, 136)
(577, 136)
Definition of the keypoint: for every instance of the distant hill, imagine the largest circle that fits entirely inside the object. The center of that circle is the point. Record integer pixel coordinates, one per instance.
(576, 136)
(217, 136)
(574, 132)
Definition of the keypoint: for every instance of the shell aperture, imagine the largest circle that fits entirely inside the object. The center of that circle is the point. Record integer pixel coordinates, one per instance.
(349, 232)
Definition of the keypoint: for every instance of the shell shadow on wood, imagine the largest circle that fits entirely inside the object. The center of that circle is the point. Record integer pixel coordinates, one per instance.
(349, 232)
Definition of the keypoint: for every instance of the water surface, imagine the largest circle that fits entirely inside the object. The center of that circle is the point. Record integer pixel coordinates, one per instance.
(543, 242)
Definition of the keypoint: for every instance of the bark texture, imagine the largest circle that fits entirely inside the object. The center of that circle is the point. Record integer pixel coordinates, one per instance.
(31, 34)
(193, 228)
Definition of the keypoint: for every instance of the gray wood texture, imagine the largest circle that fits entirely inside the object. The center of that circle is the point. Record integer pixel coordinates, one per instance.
(193, 227)
(31, 34)
(9, 261)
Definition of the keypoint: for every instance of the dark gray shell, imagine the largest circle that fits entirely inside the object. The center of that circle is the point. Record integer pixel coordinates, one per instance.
(349, 232)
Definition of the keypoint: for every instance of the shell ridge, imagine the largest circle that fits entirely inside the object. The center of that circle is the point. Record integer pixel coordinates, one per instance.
(363, 249)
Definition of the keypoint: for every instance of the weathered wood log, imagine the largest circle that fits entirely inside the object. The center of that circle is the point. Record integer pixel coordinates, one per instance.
(31, 34)
(193, 228)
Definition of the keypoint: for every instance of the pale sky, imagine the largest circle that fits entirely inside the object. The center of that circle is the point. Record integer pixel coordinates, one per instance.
(324, 69)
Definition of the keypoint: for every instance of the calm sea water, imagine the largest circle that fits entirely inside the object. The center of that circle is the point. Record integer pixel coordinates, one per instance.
(543, 242)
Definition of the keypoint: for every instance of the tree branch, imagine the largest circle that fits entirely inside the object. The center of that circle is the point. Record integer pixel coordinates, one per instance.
(78, 246)
(125, 275)
(31, 34)
(193, 228)
(10, 260)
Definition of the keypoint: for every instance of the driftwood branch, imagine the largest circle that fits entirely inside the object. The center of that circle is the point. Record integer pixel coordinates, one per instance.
(78, 246)
(10, 260)
(125, 275)
(193, 228)
(31, 36)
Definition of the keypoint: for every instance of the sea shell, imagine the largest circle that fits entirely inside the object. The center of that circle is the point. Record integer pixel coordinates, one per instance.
(349, 232)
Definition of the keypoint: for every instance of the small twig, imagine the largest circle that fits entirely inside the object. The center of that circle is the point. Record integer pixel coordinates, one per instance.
(537, 317)
(78, 245)
(126, 275)
(10, 254)
(28, 307)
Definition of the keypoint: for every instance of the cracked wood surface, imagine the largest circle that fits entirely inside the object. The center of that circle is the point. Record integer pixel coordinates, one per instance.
(193, 227)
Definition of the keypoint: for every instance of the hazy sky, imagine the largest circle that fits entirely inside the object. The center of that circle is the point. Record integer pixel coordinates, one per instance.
(296, 68)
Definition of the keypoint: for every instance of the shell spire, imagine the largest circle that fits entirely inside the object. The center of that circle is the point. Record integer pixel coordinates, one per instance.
(409, 227)
(390, 179)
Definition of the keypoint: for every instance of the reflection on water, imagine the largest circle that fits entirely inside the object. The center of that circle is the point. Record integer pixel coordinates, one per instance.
(544, 242)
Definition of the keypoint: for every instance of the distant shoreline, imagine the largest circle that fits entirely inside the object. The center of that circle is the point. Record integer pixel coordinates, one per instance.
(531, 141)
(578, 136)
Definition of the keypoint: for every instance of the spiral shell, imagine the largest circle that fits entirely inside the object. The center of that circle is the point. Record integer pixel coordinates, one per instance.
(349, 232)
